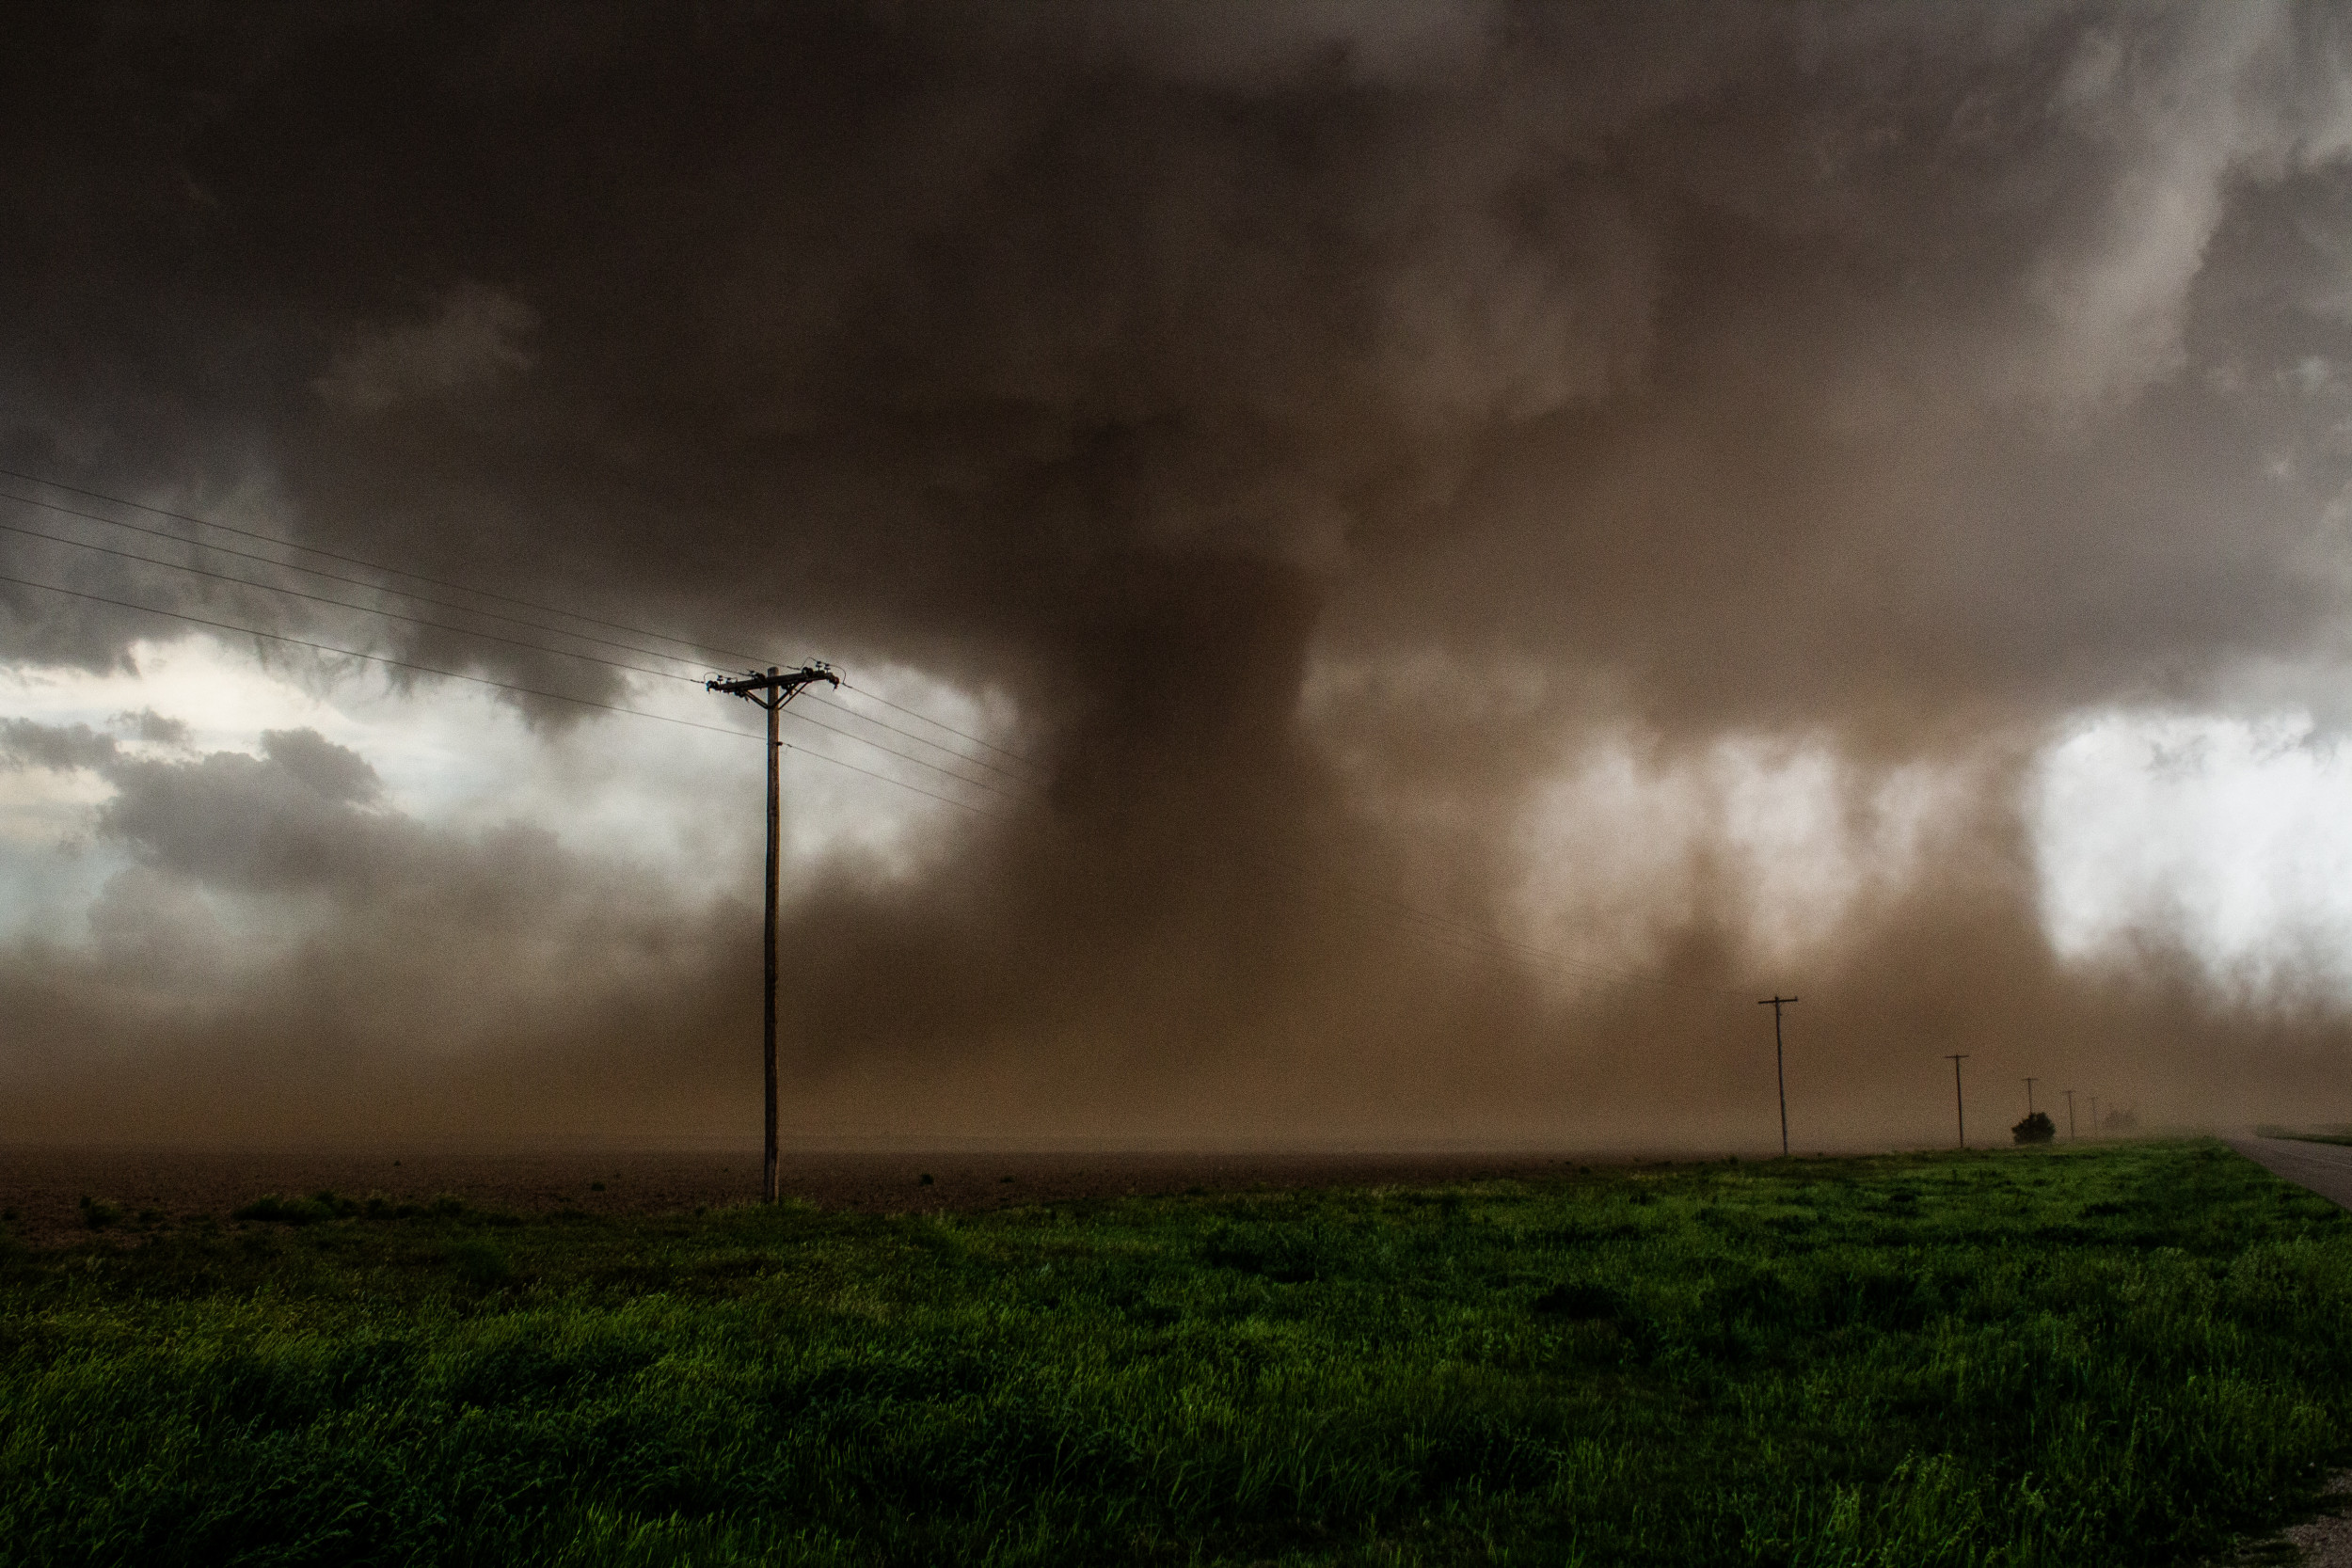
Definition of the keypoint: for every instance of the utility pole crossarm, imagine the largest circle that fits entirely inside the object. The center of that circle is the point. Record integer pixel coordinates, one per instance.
(775, 684)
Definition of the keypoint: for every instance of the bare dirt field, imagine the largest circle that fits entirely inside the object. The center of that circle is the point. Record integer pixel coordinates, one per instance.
(44, 1186)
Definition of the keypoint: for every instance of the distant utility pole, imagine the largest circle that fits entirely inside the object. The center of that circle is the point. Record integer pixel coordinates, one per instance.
(772, 691)
(2095, 1116)
(2070, 1114)
(2029, 1084)
(1780, 1070)
(1958, 1105)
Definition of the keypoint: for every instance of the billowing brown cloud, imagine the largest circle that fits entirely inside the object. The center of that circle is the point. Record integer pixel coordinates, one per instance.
(1321, 420)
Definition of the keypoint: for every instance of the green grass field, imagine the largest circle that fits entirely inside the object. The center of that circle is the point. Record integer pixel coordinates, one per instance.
(2123, 1355)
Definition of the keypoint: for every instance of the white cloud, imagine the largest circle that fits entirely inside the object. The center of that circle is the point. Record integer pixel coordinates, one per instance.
(2229, 837)
(684, 804)
(1781, 843)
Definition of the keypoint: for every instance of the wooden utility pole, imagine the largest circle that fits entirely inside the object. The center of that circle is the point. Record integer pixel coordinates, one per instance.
(2029, 1084)
(1780, 1072)
(1958, 1105)
(771, 691)
(2095, 1116)
(2070, 1114)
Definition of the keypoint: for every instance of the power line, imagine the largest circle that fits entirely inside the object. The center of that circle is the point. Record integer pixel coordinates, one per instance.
(893, 752)
(927, 720)
(330, 577)
(371, 566)
(921, 740)
(484, 680)
(919, 789)
(1433, 925)
(345, 604)
(469, 631)
(1430, 926)
(699, 648)
(1453, 935)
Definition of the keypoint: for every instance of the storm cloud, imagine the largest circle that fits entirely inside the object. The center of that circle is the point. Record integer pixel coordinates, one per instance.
(1351, 446)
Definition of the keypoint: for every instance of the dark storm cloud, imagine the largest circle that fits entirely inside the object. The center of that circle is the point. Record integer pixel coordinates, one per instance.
(290, 817)
(1578, 329)
(285, 958)
(155, 728)
(1452, 376)
(26, 744)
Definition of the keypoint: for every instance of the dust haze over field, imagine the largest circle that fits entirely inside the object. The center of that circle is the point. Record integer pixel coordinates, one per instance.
(1659, 483)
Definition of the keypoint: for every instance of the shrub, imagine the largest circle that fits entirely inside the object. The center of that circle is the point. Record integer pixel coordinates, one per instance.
(272, 1209)
(98, 1214)
(2036, 1129)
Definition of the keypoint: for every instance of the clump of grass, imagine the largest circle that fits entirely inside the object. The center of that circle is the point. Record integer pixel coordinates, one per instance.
(1579, 1302)
(272, 1209)
(480, 1265)
(324, 1206)
(98, 1214)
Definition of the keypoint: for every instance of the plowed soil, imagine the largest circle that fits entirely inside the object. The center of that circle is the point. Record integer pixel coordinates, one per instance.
(156, 1188)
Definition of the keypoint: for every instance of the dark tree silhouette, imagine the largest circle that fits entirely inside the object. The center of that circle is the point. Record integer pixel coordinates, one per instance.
(2036, 1129)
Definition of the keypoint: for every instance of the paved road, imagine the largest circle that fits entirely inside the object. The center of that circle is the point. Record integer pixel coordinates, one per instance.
(2325, 1168)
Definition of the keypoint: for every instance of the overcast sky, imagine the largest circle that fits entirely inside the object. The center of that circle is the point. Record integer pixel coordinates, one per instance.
(1398, 565)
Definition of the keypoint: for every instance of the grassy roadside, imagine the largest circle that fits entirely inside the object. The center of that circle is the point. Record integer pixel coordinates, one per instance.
(2123, 1355)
